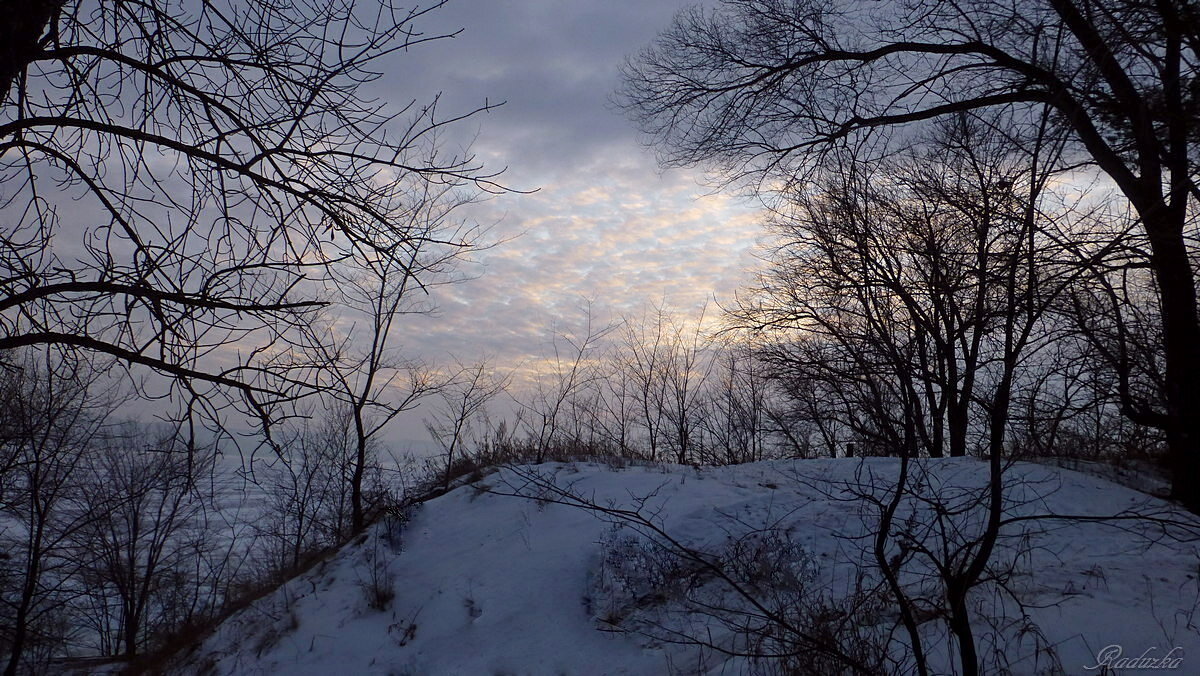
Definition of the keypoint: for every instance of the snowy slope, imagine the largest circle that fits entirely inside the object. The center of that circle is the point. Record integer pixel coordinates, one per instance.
(487, 583)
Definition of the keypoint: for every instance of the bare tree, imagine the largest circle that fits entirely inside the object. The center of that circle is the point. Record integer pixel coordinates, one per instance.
(145, 500)
(642, 356)
(51, 421)
(367, 375)
(917, 289)
(688, 365)
(667, 361)
(557, 380)
(307, 489)
(736, 415)
(1113, 310)
(887, 295)
(763, 89)
(463, 401)
(177, 177)
(617, 405)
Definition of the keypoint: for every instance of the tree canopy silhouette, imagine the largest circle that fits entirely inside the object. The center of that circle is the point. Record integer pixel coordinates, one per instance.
(762, 89)
(178, 178)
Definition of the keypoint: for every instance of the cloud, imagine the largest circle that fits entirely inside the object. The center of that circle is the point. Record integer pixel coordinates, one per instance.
(622, 237)
(604, 223)
(554, 63)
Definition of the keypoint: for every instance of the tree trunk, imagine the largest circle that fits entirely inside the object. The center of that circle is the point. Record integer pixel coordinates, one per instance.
(22, 617)
(24, 23)
(960, 626)
(33, 572)
(958, 419)
(357, 517)
(1181, 339)
(130, 631)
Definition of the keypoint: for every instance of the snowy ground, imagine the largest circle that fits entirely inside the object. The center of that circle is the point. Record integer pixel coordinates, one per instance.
(488, 583)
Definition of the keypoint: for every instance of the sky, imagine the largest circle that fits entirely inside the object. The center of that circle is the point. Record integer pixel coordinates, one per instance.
(604, 224)
(592, 220)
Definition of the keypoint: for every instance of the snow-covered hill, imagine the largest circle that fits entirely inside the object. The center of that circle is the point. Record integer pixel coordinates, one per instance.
(488, 583)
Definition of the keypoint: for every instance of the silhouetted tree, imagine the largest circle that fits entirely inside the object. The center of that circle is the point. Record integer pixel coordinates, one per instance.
(178, 177)
(887, 293)
(462, 402)
(557, 380)
(362, 367)
(764, 89)
(142, 535)
(51, 420)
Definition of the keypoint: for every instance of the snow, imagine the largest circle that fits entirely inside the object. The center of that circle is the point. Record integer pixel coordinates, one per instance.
(488, 583)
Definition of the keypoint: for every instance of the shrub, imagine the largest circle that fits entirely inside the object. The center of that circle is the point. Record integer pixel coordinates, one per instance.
(378, 585)
(757, 596)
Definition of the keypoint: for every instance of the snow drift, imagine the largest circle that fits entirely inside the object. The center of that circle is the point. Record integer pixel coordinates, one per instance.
(674, 569)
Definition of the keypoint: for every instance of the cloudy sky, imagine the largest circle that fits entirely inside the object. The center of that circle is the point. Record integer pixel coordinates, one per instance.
(604, 224)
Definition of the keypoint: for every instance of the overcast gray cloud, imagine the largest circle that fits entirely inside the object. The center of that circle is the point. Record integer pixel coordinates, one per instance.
(554, 63)
(603, 224)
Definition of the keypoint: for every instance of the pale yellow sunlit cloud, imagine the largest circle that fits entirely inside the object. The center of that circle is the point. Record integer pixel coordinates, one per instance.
(625, 238)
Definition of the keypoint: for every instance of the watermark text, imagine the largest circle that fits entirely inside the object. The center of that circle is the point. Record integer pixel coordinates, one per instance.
(1113, 657)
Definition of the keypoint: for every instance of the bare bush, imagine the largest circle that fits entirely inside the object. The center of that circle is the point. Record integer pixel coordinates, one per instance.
(50, 423)
(142, 554)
